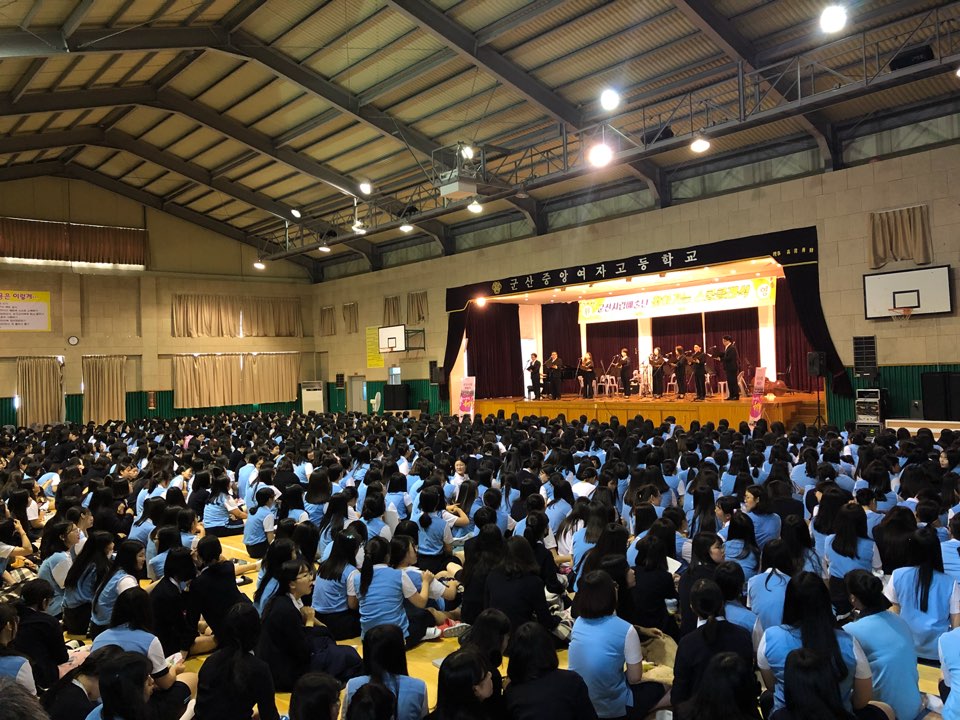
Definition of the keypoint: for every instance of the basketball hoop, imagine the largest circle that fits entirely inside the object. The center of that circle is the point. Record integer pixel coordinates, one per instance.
(900, 314)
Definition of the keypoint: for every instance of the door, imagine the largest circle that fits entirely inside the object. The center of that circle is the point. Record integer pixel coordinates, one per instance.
(357, 399)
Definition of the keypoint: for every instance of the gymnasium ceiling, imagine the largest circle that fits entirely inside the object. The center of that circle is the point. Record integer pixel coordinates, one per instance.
(232, 114)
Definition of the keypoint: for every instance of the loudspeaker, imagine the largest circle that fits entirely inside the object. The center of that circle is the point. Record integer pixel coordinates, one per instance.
(953, 398)
(865, 356)
(912, 56)
(434, 373)
(936, 399)
(341, 381)
(816, 364)
(424, 407)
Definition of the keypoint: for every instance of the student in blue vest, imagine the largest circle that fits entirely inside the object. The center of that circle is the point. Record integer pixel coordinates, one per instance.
(950, 549)
(131, 629)
(924, 596)
(13, 665)
(222, 515)
(335, 518)
(54, 568)
(319, 491)
(374, 507)
(119, 578)
(796, 536)
(379, 590)
(260, 525)
(268, 583)
(729, 578)
(601, 645)
(168, 537)
(385, 664)
(397, 495)
(82, 579)
(808, 622)
(766, 591)
(888, 643)
(436, 529)
(849, 548)
(766, 522)
(741, 544)
(330, 587)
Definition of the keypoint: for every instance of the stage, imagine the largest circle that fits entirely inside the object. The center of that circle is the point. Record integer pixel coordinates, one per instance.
(788, 409)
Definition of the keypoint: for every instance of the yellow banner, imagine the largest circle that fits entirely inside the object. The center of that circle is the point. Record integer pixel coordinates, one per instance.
(374, 358)
(752, 292)
(24, 311)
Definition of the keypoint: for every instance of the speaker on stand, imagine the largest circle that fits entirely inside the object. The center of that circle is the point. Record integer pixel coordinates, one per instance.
(817, 367)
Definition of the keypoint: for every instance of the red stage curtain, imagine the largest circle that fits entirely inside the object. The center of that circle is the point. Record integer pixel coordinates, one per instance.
(668, 332)
(744, 327)
(493, 350)
(604, 340)
(792, 343)
(561, 333)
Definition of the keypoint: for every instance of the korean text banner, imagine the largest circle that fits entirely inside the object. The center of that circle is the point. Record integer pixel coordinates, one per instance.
(751, 292)
(24, 311)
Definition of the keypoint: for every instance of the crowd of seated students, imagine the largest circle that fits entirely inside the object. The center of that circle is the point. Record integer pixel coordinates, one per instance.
(823, 563)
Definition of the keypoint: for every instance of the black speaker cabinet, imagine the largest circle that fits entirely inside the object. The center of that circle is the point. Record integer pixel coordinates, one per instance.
(934, 390)
(434, 373)
(816, 364)
(396, 397)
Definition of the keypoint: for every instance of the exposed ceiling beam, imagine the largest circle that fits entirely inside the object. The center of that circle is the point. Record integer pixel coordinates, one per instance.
(31, 14)
(714, 25)
(464, 43)
(240, 12)
(368, 250)
(25, 171)
(24, 81)
(73, 21)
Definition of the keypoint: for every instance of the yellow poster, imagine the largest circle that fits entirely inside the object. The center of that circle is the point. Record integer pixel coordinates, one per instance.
(374, 358)
(24, 311)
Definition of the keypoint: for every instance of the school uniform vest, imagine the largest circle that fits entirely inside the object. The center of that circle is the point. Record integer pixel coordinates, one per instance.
(269, 590)
(215, 513)
(141, 533)
(734, 549)
(596, 654)
(382, 603)
(765, 527)
(103, 607)
(374, 526)
(840, 565)
(739, 615)
(155, 566)
(397, 500)
(950, 657)
(951, 558)
(781, 640)
(253, 532)
(766, 593)
(411, 694)
(431, 538)
(556, 514)
(314, 511)
(82, 594)
(330, 596)
(46, 573)
(926, 627)
(135, 641)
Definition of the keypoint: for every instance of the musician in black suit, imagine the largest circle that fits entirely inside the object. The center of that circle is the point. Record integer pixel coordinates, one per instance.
(554, 369)
(680, 370)
(625, 372)
(698, 361)
(656, 363)
(588, 374)
(533, 367)
(731, 366)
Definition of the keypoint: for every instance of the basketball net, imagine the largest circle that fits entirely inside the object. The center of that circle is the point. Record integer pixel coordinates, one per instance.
(900, 314)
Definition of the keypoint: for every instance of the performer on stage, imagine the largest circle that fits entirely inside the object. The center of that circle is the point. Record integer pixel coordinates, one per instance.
(698, 361)
(533, 367)
(731, 366)
(656, 364)
(625, 371)
(554, 372)
(588, 374)
(680, 370)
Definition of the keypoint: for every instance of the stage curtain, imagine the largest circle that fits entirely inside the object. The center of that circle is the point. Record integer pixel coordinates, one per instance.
(804, 284)
(270, 377)
(668, 332)
(493, 350)
(456, 326)
(391, 310)
(792, 343)
(205, 316)
(206, 381)
(328, 320)
(67, 242)
(105, 387)
(744, 327)
(351, 322)
(605, 339)
(418, 309)
(902, 234)
(271, 317)
(561, 332)
(40, 389)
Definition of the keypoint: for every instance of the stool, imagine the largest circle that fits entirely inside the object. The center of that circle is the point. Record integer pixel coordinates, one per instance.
(672, 383)
(723, 390)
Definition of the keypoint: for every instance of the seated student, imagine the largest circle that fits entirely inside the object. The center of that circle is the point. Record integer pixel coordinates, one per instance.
(39, 635)
(515, 587)
(741, 544)
(167, 538)
(443, 589)
(888, 643)
(77, 694)
(653, 586)
(536, 530)
(258, 530)
(766, 591)
(601, 644)
(13, 665)
(477, 565)
(385, 664)
(127, 690)
(63, 539)
(808, 622)
(316, 696)
(233, 680)
(729, 578)
(119, 578)
(131, 629)
(707, 554)
(290, 643)
(330, 587)
(222, 515)
(214, 591)
(950, 549)
(436, 530)
(924, 596)
(728, 691)
(169, 601)
(538, 688)
(848, 549)
(766, 522)
(714, 636)
(812, 691)
(81, 582)
(374, 508)
(796, 536)
(464, 684)
(268, 582)
(372, 702)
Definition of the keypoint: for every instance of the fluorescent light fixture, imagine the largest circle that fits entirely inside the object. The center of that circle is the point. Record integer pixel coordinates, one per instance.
(466, 152)
(600, 155)
(366, 188)
(295, 213)
(481, 301)
(700, 144)
(609, 99)
(406, 227)
(475, 207)
(833, 19)
(259, 265)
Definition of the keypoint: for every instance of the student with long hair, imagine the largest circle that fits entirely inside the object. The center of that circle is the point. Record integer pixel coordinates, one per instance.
(489, 635)
(77, 694)
(385, 665)
(706, 555)
(766, 591)
(464, 684)
(892, 536)
(82, 579)
(924, 596)
(849, 548)
(167, 538)
(601, 645)
(741, 544)
(436, 529)
(222, 515)
(476, 568)
(808, 622)
(233, 680)
(319, 492)
(727, 691)
(214, 591)
(261, 523)
(704, 517)
(335, 518)
(538, 687)
(766, 522)
(888, 643)
(120, 577)
(796, 537)
(63, 539)
(268, 583)
(126, 689)
(13, 665)
(653, 587)
(516, 588)
(330, 599)
(316, 696)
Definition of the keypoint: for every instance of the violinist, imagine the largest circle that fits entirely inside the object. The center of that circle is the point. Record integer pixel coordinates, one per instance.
(625, 372)
(656, 364)
(680, 370)
(698, 361)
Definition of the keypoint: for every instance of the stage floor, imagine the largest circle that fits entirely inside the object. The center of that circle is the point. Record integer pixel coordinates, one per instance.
(788, 409)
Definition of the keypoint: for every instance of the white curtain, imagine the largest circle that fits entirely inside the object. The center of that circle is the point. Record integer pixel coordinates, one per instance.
(902, 234)
(391, 310)
(206, 381)
(351, 318)
(328, 321)
(205, 316)
(272, 317)
(270, 378)
(418, 310)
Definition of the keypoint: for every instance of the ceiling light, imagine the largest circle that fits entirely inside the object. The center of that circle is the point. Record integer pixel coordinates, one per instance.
(295, 213)
(700, 144)
(833, 18)
(609, 99)
(359, 229)
(366, 188)
(324, 248)
(406, 227)
(958, 72)
(466, 152)
(600, 155)
(481, 301)
(475, 207)
(259, 265)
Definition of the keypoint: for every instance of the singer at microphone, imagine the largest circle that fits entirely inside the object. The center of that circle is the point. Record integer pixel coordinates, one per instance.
(625, 371)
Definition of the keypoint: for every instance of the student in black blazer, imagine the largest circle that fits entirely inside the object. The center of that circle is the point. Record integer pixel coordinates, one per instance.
(77, 693)
(40, 636)
(731, 367)
(169, 603)
(214, 591)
